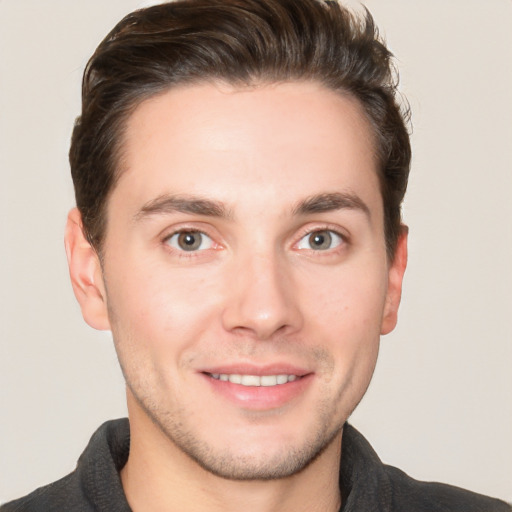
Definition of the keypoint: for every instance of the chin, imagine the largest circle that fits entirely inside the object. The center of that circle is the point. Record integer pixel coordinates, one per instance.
(263, 463)
(265, 451)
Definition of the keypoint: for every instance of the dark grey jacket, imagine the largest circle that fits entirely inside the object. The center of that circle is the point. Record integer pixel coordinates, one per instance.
(367, 485)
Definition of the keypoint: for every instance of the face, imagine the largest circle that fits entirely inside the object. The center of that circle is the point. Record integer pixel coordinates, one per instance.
(244, 276)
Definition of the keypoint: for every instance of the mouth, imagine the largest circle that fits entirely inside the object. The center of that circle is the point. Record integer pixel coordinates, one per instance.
(258, 388)
(255, 380)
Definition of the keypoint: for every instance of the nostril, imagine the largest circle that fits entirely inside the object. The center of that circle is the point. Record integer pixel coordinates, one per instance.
(262, 302)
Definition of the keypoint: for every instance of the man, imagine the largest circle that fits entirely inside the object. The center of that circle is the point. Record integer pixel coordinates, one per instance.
(239, 168)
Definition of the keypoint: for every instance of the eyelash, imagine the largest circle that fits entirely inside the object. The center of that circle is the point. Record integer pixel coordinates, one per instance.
(330, 229)
(182, 253)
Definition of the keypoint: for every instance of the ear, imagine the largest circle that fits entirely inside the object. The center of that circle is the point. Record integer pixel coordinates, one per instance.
(395, 278)
(85, 272)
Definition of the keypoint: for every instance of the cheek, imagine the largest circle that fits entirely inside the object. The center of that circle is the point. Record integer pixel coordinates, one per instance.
(346, 315)
(159, 306)
(347, 300)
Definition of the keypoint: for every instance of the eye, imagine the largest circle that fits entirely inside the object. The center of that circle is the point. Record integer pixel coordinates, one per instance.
(190, 241)
(321, 240)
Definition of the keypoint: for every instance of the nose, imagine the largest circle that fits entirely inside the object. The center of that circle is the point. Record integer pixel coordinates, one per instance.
(262, 299)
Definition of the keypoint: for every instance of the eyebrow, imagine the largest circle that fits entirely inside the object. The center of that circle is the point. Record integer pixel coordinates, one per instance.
(319, 203)
(167, 204)
(329, 202)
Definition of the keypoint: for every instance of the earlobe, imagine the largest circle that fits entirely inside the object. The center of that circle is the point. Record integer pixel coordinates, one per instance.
(85, 273)
(395, 280)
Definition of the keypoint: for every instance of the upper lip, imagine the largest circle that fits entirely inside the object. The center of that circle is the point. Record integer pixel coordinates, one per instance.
(260, 370)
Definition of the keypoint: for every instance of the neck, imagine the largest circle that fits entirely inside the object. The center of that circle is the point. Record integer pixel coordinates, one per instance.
(160, 477)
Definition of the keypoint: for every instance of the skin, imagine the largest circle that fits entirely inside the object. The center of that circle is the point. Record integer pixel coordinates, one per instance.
(260, 172)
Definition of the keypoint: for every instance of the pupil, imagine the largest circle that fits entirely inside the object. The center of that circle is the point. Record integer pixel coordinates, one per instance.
(189, 241)
(321, 240)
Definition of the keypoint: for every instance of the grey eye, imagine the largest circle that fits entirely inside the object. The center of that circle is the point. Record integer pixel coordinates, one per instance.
(321, 240)
(190, 241)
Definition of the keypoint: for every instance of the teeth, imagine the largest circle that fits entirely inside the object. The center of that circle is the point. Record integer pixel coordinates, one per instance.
(235, 379)
(268, 380)
(249, 380)
(254, 380)
(283, 379)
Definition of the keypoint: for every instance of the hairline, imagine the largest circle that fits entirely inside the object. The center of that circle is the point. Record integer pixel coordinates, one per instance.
(135, 102)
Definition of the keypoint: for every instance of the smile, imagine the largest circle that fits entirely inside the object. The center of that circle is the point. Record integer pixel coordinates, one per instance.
(254, 380)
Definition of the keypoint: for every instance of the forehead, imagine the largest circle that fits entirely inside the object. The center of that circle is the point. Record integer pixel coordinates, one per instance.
(216, 140)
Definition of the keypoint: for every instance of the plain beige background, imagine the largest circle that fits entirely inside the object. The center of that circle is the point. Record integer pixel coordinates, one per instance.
(440, 404)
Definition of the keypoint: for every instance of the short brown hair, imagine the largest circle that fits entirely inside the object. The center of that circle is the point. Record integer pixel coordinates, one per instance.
(239, 42)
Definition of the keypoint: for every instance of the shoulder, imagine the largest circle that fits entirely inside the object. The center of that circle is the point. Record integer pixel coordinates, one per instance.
(64, 494)
(94, 485)
(408, 494)
(368, 484)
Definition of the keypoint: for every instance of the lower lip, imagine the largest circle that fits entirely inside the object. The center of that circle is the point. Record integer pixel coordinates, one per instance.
(260, 397)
